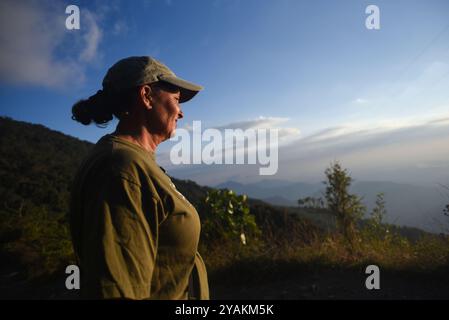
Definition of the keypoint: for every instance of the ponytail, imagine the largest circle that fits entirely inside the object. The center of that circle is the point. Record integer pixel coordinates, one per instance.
(102, 106)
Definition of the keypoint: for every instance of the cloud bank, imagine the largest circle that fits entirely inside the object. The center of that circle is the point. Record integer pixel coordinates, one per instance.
(38, 50)
(412, 152)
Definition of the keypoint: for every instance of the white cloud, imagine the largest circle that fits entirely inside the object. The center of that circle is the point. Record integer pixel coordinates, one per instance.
(259, 123)
(285, 136)
(360, 101)
(120, 27)
(374, 151)
(37, 49)
(91, 37)
(433, 165)
(285, 133)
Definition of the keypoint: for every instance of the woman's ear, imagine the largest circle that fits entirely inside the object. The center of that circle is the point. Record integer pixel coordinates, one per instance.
(145, 96)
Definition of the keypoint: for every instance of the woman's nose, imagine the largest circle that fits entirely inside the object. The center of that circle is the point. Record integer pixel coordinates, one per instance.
(180, 114)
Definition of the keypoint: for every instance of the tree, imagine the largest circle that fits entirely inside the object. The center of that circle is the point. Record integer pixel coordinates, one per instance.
(379, 211)
(375, 223)
(311, 203)
(446, 208)
(347, 208)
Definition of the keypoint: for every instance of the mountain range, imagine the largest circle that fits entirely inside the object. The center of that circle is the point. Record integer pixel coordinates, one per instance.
(408, 205)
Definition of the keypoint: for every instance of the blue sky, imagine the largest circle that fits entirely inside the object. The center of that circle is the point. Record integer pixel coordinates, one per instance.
(310, 67)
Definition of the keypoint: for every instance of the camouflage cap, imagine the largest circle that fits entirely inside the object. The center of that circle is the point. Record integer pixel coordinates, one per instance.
(136, 71)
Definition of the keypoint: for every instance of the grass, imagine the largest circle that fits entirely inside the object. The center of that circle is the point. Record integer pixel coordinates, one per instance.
(274, 259)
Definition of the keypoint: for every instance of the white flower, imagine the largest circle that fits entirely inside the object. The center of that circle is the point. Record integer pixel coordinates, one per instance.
(243, 238)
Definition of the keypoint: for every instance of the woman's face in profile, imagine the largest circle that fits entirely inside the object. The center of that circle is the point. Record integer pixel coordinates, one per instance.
(166, 112)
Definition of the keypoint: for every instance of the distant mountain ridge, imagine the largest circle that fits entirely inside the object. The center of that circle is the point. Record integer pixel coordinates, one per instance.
(264, 190)
(410, 205)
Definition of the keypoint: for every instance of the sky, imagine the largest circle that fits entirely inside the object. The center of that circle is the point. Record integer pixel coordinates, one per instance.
(375, 100)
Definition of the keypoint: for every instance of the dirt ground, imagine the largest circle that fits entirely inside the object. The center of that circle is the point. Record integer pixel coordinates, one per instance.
(331, 284)
(319, 284)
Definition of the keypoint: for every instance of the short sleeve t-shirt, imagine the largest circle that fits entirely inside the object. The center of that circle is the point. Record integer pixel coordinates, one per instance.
(134, 234)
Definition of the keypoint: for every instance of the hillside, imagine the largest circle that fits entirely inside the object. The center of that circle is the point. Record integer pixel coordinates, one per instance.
(299, 255)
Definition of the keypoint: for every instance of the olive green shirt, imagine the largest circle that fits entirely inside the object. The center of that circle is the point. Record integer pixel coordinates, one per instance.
(135, 236)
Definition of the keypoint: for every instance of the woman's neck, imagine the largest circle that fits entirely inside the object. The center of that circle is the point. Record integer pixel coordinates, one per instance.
(138, 135)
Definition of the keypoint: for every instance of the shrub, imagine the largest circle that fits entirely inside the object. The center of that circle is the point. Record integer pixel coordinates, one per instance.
(38, 240)
(228, 218)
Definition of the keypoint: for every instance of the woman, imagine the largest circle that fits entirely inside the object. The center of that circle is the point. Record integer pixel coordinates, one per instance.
(135, 236)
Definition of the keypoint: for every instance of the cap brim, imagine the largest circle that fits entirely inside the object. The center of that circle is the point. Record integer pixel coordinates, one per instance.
(188, 89)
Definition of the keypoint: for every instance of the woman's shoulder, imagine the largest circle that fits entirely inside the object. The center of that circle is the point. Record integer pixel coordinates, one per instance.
(124, 160)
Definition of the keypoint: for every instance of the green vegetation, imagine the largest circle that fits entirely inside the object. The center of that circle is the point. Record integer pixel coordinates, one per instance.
(36, 167)
(347, 208)
(354, 242)
(311, 203)
(446, 208)
(41, 242)
(243, 240)
(228, 218)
